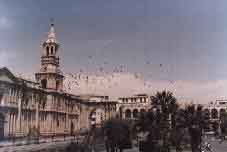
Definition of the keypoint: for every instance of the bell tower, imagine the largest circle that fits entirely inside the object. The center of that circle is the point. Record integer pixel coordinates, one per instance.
(50, 76)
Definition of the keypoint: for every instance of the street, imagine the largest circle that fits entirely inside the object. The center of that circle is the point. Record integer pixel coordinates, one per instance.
(36, 147)
(218, 147)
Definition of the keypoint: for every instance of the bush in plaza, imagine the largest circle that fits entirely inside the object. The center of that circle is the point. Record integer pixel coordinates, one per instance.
(116, 135)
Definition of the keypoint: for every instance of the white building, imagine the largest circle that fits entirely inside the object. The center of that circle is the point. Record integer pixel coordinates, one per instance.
(216, 109)
(131, 107)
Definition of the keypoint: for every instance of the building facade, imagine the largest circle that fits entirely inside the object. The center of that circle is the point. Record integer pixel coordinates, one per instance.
(131, 107)
(42, 107)
(215, 111)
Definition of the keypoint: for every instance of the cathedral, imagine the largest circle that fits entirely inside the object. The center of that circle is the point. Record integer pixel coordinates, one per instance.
(42, 107)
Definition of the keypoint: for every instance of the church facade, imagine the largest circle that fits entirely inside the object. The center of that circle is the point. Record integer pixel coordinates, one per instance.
(42, 107)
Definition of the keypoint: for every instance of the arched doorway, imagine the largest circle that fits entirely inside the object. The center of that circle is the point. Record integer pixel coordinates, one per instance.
(207, 117)
(222, 113)
(128, 114)
(2, 120)
(142, 111)
(135, 113)
(71, 128)
(121, 112)
(207, 113)
(214, 113)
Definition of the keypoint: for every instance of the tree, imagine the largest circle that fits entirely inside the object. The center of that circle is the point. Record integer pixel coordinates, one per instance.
(158, 122)
(165, 102)
(148, 125)
(223, 124)
(179, 130)
(195, 121)
(116, 134)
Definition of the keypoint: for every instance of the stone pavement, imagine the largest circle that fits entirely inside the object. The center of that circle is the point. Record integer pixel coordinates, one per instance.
(135, 149)
(33, 146)
(218, 147)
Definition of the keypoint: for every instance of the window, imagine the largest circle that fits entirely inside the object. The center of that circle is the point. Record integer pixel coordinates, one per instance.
(126, 100)
(128, 113)
(57, 85)
(52, 50)
(47, 50)
(44, 83)
(1, 96)
(214, 113)
(57, 122)
(135, 113)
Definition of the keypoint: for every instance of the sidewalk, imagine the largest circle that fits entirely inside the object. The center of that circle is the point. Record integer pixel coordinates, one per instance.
(60, 145)
(21, 142)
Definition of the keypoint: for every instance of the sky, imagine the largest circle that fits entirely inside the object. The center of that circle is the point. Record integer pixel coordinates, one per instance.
(177, 45)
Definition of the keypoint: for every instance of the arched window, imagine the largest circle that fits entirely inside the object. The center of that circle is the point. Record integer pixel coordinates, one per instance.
(214, 113)
(47, 50)
(222, 113)
(135, 113)
(71, 128)
(58, 123)
(207, 113)
(128, 113)
(44, 83)
(52, 50)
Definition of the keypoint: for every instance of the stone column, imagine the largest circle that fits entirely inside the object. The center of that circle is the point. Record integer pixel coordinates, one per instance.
(13, 124)
(67, 120)
(19, 116)
(9, 123)
(37, 115)
(51, 122)
(6, 125)
(123, 114)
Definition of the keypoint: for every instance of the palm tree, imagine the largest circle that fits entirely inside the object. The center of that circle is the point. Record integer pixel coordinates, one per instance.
(148, 125)
(158, 122)
(195, 122)
(179, 130)
(166, 103)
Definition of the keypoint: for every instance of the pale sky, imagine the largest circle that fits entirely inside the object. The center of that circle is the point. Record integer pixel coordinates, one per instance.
(179, 45)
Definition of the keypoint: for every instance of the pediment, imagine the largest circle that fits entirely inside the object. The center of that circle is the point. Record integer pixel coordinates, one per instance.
(7, 76)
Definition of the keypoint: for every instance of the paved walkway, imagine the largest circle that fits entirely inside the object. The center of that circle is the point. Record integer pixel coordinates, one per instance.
(218, 147)
(33, 146)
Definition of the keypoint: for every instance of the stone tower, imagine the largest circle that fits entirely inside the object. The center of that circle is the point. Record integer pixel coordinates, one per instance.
(50, 76)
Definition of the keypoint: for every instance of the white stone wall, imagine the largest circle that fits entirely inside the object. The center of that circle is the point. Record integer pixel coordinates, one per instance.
(50, 118)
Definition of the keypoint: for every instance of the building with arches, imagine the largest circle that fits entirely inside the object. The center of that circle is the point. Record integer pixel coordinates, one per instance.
(131, 107)
(214, 111)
